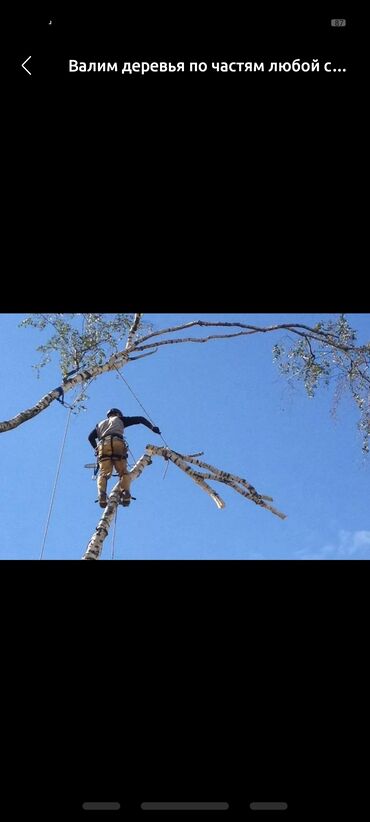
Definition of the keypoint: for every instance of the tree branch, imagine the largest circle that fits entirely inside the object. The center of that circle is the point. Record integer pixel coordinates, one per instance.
(297, 328)
(56, 393)
(317, 335)
(216, 474)
(141, 357)
(247, 490)
(95, 546)
(133, 330)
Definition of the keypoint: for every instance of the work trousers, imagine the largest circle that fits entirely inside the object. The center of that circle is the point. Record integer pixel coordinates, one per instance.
(112, 453)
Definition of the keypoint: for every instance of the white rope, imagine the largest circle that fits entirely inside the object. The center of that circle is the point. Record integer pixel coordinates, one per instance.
(55, 483)
(141, 405)
(147, 414)
(114, 534)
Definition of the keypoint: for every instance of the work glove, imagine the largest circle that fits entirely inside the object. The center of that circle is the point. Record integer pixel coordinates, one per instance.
(156, 430)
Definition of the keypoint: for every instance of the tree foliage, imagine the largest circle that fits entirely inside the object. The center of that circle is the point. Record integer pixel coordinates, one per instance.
(327, 353)
(79, 340)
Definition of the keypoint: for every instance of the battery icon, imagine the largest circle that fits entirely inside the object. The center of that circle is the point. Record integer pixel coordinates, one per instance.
(338, 22)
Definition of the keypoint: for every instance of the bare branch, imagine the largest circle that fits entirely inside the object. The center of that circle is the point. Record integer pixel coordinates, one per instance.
(219, 324)
(133, 330)
(59, 392)
(141, 357)
(217, 474)
(311, 371)
(193, 340)
(297, 328)
(180, 462)
(223, 475)
(95, 545)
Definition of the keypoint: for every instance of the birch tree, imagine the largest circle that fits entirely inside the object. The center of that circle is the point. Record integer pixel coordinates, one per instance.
(89, 345)
(242, 486)
(323, 354)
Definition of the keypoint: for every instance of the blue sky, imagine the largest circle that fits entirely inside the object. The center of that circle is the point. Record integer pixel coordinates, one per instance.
(225, 398)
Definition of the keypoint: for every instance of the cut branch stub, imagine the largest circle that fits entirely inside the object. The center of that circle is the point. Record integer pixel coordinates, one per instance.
(238, 484)
(247, 490)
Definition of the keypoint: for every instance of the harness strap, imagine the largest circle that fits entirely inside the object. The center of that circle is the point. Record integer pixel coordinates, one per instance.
(113, 457)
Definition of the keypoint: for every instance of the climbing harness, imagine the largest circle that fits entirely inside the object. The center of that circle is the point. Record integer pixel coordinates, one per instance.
(95, 466)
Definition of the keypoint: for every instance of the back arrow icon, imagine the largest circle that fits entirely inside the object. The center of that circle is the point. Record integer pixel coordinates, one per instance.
(24, 64)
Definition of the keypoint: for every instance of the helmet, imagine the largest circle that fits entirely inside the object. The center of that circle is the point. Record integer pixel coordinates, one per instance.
(114, 412)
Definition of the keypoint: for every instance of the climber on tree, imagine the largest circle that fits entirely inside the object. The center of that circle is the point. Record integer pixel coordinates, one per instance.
(112, 451)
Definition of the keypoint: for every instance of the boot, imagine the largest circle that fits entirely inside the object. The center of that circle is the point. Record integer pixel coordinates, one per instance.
(125, 498)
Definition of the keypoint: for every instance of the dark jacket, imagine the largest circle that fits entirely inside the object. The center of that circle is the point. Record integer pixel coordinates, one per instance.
(93, 436)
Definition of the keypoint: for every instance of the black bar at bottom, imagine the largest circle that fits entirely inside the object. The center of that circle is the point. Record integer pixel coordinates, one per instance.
(268, 806)
(101, 806)
(184, 806)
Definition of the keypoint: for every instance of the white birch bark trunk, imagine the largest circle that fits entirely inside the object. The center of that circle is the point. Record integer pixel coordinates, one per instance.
(242, 486)
(137, 345)
(95, 546)
(119, 359)
(247, 490)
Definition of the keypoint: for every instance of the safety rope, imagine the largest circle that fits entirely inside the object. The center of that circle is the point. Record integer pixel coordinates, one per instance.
(114, 534)
(55, 482)
(147, 414)
(84, 387)
(141, 405)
